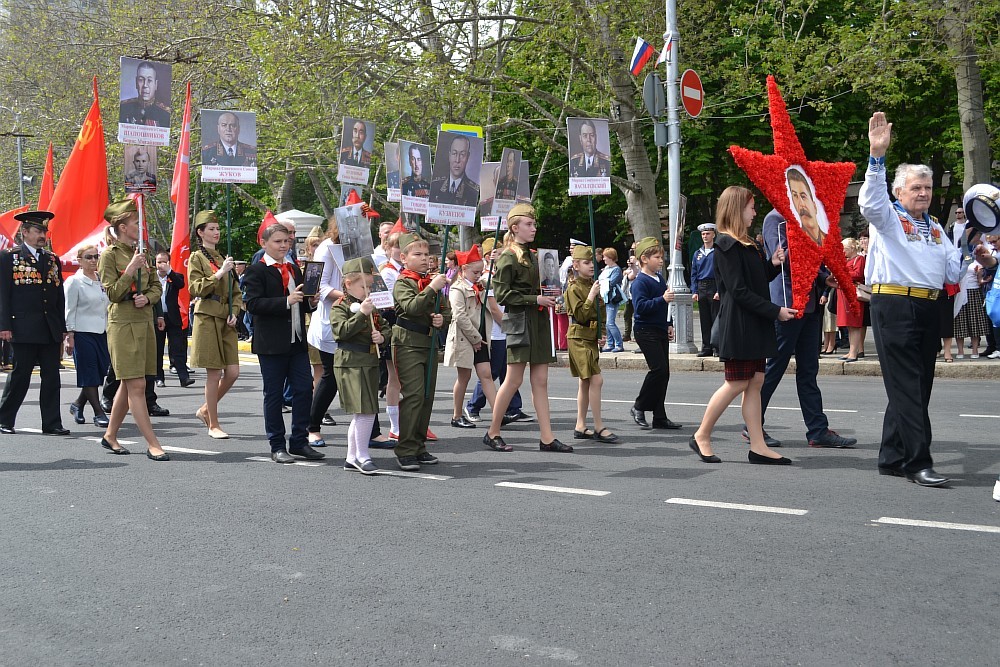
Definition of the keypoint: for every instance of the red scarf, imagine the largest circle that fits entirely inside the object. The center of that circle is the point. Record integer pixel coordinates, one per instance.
(422, 281)
(284, 267)
(478, 289)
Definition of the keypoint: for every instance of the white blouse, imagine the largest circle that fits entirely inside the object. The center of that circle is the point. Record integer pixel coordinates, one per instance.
(86, 304)
(319, 335)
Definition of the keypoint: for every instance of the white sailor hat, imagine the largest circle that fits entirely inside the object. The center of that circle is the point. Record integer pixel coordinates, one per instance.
(982, 207)
(573, 242)
(707, 227)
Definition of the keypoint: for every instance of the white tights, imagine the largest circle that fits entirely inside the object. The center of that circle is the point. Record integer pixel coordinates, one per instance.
(358, 435)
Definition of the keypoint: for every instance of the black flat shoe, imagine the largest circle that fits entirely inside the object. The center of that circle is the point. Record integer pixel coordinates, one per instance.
(462, 422)
(583, 435)
(610, 438)
(55, 431)
(693, 444)
(639, 419)
(754, 457)
(121, 451)
(77, 413)
(496, 443)
(161, 457)
(101, 421)
(554, 446)
(665, 423)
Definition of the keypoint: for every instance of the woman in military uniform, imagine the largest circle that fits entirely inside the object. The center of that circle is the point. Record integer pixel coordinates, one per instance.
(517, 287)
(214, 343)
(587, 312)
(132, 287)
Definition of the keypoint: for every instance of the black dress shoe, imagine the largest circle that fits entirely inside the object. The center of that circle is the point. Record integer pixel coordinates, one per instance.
(704, 353)
(665, 423)
(282, 456)
(9, 430)
(156, 411)
(462, 422)
(639, 418)
(554, 446)
(158, 457)
(832, 440)
(328, 420)
(496, 443)
(891, 472)
(307, 452)
(106, 405)
(101, 421)
(768, 440)
(927, 477)
(77, 412)
(187, 383)
(55, 431)
(693, 444)
(754, 457)
(121, 451)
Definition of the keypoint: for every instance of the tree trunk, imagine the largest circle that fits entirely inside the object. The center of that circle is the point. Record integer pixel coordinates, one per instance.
(286, 197)
(975, 139)
(323, 200)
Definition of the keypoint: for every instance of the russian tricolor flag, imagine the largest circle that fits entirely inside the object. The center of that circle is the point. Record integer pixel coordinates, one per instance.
(640, 56)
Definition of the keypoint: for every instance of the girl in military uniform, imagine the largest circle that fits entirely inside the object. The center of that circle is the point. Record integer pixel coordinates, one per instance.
(214, 343)
(468, 344)
(359, 331)
(586, 310)
(526, 323)
(132, 287)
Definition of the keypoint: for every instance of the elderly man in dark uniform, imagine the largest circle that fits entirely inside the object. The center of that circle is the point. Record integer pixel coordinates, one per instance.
(456, 187)
(33, 320)
(909, 261)
(144, 109)
(355, 155)
(228, 150)
(590, 162)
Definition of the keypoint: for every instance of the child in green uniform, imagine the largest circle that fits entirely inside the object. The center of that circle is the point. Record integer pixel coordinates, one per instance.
(418, 321)
(586, 311)
(526, 323)
(358, 329)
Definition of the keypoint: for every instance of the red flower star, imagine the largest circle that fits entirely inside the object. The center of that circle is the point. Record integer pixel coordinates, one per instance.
(829, 179)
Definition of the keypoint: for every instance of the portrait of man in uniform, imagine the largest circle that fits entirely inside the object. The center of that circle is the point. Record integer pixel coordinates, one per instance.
(549, 266)
(417, 160)
(392, 165)
(586, 160)
(221, 136)
(353, 150)
(808, 209)
(150, 103)
(453, 183)
(140, 169)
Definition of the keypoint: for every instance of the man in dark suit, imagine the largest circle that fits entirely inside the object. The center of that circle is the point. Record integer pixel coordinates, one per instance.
(355, 155)
(169, 326)
(589, 162)
(228, 150)
(33, 321)
(800, 337)
(456, 187)
(272, 293)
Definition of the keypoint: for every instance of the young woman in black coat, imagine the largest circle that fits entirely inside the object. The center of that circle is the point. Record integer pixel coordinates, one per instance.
(746, 324)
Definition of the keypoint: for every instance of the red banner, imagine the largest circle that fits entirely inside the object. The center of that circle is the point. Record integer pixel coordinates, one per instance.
(180, 243)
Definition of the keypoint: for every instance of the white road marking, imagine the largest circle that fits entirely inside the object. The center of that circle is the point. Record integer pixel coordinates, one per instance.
(937, 524)
(737, 506)
(684, 405)
(417, 475)
(556, 489)
(185, 450)
(307, 464)
(120, 442)
(982, 416)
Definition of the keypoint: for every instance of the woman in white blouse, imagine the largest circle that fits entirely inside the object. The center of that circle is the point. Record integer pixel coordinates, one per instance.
(319, 335)
(87, 319)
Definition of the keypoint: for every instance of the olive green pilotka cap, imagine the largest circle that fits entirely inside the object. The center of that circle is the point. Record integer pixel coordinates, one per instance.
(118, 210)
(358, 265)
(522, 209)
(645, 244)
(584, 252)
(407, 239)
(205, 217)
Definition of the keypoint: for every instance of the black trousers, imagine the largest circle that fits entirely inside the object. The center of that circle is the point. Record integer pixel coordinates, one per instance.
(26, 357)
(177, 345)
(326, 391)
(655, 346)
(111, 384)
(799, 337)
(708, 310)
(907, 340)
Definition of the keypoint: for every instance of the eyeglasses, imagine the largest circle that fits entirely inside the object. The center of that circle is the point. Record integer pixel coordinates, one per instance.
(89, 257)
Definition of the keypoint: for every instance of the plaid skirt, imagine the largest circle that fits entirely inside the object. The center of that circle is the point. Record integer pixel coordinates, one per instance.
(738, 370)
(971, 320)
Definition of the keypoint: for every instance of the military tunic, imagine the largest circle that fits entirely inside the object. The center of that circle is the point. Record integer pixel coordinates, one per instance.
(131, 337)
(214, 344)
(516, 287)
(411, 353)
(586, 325)
(356, 371)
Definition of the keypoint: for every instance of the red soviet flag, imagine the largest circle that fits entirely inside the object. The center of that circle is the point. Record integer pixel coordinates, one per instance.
(48, 183)
(180, 242)
(82, 193)
(9, 226)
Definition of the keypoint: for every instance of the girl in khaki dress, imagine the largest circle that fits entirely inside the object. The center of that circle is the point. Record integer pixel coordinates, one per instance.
(585, 308)
(129, 279)
(214, 343)
(468, 343)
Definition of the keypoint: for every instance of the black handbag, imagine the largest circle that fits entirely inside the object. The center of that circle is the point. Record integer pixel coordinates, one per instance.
(713, 338)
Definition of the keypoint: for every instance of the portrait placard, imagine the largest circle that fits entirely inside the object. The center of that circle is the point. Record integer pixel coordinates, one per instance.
(140, 169)
(347, 188)
(311, 275)
(144, 103)
(392, 170)
(503, 185)
(415, 168)
(381, 295)
(228, 146)
(808, 209)
(454, 193)
(590, 156)
(548, 271)
(357, 141)
(355, 232)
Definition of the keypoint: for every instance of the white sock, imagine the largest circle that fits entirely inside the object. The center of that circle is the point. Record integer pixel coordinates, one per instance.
(362, 425)
(352, 442)
(393, 412)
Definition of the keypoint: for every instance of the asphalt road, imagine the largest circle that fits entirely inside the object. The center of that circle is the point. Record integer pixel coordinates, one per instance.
(218, 559)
